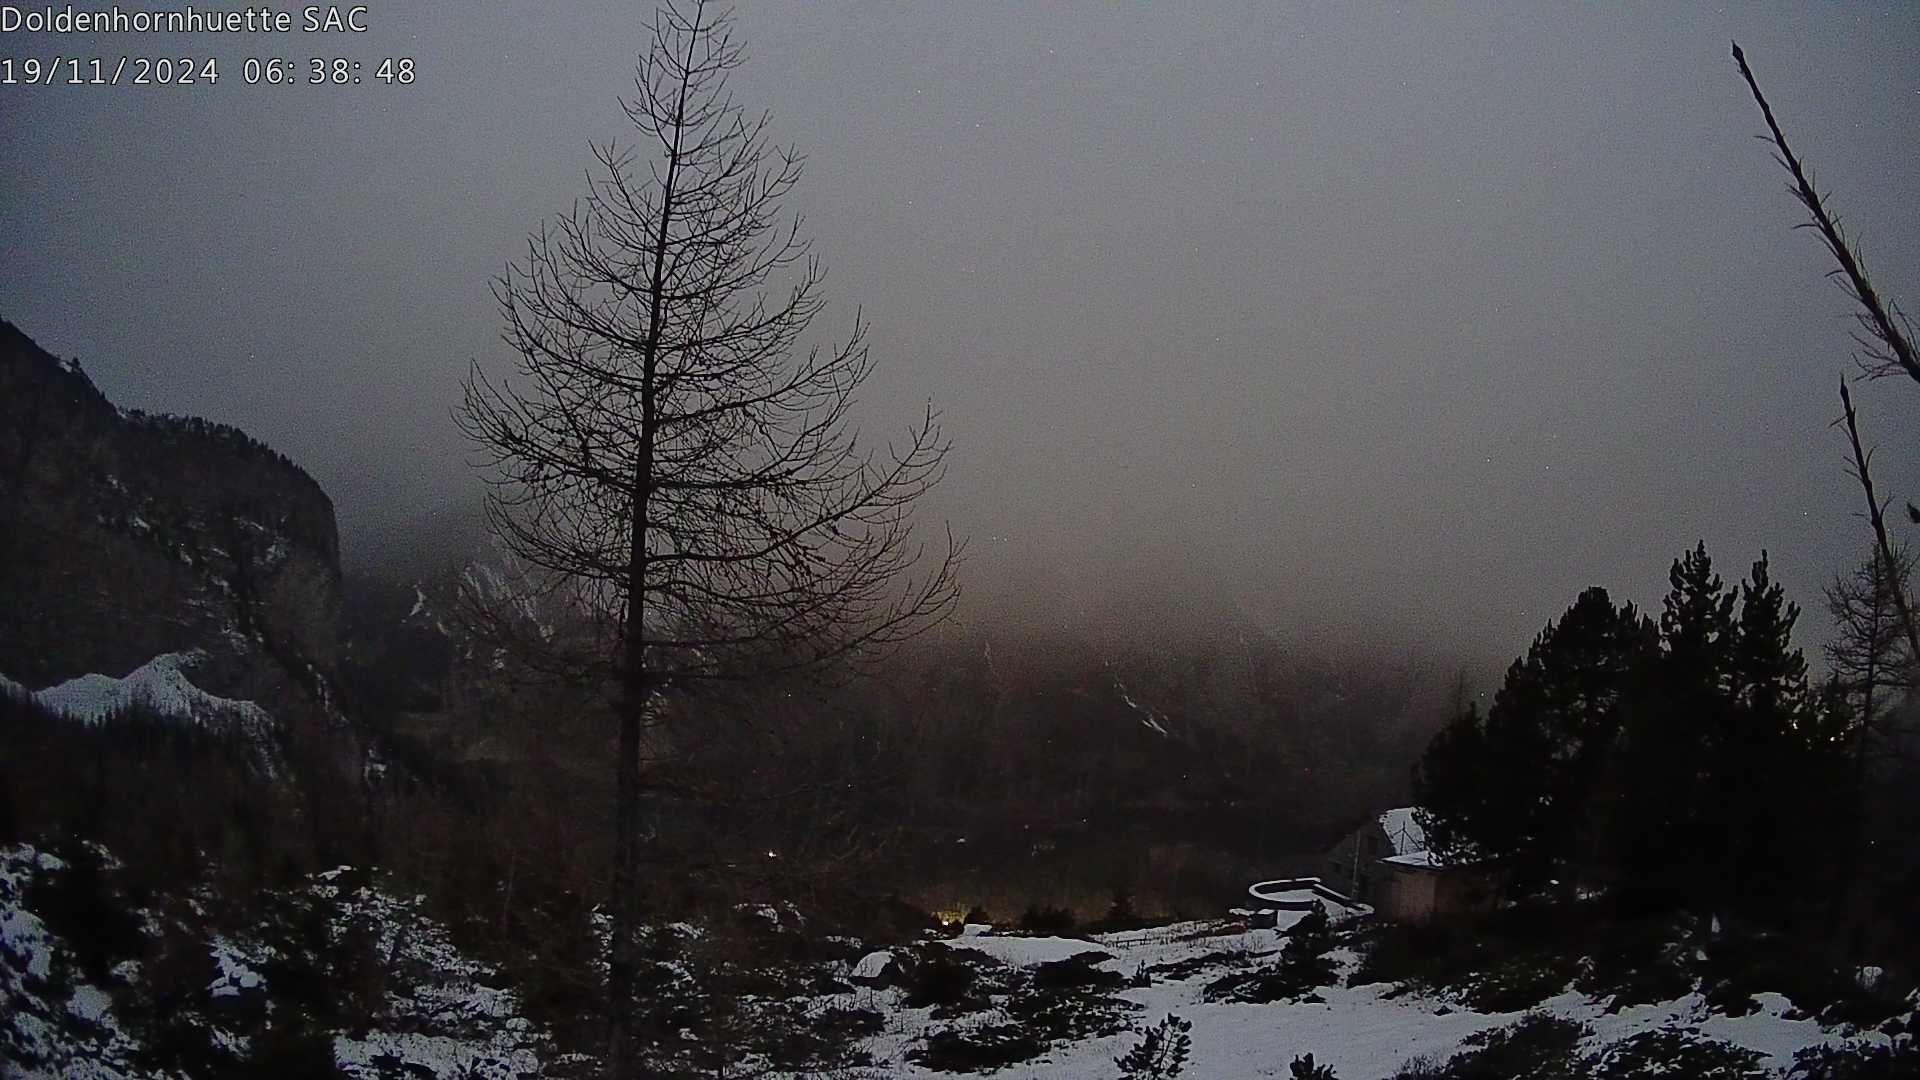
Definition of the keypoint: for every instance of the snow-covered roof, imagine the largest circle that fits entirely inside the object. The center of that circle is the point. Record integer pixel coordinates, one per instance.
(1403, 831)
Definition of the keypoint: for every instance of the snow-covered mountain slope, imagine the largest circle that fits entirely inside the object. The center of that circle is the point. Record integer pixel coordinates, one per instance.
(160, 686)
(336, 970)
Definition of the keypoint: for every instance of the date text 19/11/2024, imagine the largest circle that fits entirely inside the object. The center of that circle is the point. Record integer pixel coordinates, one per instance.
(186, 71)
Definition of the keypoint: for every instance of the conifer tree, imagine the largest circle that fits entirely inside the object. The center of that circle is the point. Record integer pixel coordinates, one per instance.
(1161, 1053)
(1691, 762)
(1454, 791)
(1769, 674)
(1666, 818)
(1696, 625)
(1763, 778)
(1558, 718)
(1519, 787)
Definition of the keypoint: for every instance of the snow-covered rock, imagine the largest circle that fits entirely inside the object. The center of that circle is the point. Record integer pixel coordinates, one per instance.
(875, 969)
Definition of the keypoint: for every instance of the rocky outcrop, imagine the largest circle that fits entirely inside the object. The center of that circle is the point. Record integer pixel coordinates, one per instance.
(125, 536)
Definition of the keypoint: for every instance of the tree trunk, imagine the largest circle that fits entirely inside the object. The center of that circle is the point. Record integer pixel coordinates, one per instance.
(636, 686)
(622, 1062)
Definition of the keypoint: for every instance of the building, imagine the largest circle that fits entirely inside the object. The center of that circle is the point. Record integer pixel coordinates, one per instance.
(1354, 865)
(1385, 863)
(1417, 890)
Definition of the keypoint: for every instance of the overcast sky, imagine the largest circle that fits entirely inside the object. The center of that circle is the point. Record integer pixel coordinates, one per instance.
(1426, 313)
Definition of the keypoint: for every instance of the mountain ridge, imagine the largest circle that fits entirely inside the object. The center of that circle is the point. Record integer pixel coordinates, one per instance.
(125, 536)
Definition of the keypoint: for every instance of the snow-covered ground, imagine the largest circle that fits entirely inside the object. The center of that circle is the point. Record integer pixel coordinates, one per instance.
(402, 999)
(1363, 1032)
(423, 1009)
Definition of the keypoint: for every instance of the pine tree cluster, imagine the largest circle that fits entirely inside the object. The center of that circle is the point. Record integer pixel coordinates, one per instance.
(1686, 757)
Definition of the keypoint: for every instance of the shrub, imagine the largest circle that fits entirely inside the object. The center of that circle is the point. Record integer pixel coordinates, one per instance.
(1504, 964)
(178, 970)
(977, 1049)
(1303, 1068)
(1313, 933)
(1858, 1062)
(1638, 962)
(1421, 1067)
(1121, 915)
(1536, 1046)
(79, 903)
(1519, 983)
(848, 1023)
(1431, 955)
(793, 1039)
(1675, 1052)
(1077, 972)
(1282, 981)
(294, 1048)
(1047, 920)
(1068, 1016)
(1161, 1052)
(1302, 968)
(1194, 965)
(1737, 968)
(940, 979)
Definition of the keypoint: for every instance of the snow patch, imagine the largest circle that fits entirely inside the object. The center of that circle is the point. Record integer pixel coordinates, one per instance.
(872, 965)
(1024, 951)
(237, 974)
(90, 1003)
(1403, 831)
(160, 684)
(1149, 719)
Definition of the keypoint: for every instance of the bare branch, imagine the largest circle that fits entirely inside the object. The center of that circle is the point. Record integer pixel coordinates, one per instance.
(1885, 335)
(1876, 516)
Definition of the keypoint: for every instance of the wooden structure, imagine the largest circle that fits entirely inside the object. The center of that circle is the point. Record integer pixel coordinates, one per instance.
(1385, 863)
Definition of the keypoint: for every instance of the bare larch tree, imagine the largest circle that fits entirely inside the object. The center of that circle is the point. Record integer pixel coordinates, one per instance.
(1884, 336)
(1884, 333)
(676, 449)
(1868, 652)
(1878, 627)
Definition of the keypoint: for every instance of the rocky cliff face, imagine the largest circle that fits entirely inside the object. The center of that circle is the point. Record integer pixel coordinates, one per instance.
(125, 536)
